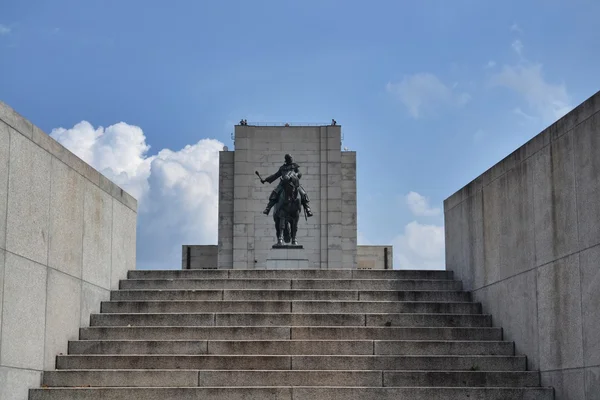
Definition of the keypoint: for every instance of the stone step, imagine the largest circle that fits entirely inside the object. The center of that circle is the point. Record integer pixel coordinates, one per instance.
(290, 295)
(292, 347)
(194, 306)
(286, 332)
(289, 274)
(187, 333)
(414, 295)
(370, 378)
(121, 378)
(443, 347)
(291, 319)
(306, 306)
(329, 284)
(421, 307)
(394, 333)
(460, 379)
(138, 347)
(248, 378)
(289, 393)
(301, 362)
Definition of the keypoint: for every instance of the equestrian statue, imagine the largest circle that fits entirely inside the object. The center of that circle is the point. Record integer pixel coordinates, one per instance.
(287, 199)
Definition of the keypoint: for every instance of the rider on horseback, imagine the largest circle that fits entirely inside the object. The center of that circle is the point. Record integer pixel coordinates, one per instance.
(289, 165)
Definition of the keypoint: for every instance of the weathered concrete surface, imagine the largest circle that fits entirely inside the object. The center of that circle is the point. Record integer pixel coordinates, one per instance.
(58, 249)
(4, 151)
(15, 382)
(66, 219)
(63, 307)
(27, 227)
(289, 393)
(524, 237)
(2, 259)
(97, 236)
(23, 319)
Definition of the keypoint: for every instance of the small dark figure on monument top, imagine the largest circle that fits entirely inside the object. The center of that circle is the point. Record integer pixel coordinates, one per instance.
(333, 122)
(243, 122)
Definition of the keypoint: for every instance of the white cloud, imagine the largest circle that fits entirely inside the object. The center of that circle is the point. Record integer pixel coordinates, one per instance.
(550, 101)
(419, 205)
(177, 191)
(518, 111)
(119, 152)
(515, 28)
(491, 64)
(420, 247)
(517, 46)
(4, 30)
(424, 92)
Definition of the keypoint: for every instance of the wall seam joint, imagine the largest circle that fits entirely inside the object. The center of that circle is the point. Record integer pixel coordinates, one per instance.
(47, 270)
(5, 237)
(579, 264)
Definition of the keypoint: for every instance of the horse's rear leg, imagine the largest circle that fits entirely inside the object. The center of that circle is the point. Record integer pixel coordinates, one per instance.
(294, 227)
(286, 233)
(280, 230)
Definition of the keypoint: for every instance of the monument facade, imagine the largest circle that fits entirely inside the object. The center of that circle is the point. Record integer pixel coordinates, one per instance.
(328, 175)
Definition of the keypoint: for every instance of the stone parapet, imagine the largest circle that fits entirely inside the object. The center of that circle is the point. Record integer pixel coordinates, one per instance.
(524, 237)
(67, 236)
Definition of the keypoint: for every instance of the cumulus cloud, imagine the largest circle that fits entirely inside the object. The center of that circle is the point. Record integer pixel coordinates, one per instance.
(177, 191)
(419, 205)
(550, 101)
(421, 246)
(118, 152)
(515, 28)
(4, 30)
(425, 92)
(517, 46)
(545, 100)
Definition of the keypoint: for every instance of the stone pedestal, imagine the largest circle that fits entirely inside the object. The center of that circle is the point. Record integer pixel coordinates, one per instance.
(287, 257)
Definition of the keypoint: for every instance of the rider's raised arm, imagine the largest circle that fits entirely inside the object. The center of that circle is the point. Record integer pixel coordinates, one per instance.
(273, 177)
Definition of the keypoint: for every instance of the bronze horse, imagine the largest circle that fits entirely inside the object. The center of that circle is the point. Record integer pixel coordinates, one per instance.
(287, 209)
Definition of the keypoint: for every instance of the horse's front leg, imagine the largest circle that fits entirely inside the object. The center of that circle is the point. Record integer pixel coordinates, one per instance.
(276, 230)
(280, 229)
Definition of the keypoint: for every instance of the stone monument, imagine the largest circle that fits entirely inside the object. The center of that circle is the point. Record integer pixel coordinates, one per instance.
(287, 198)
(325, 216)
(327, 190)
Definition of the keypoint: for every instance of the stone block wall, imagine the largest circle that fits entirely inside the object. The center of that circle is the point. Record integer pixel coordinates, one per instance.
(199, 256)
(225, 231)
(525, 238)
(329, 176)
(374, 257)
(67, 235)
(349, 205)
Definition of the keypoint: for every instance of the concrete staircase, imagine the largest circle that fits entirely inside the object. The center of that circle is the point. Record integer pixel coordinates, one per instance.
(290, 334)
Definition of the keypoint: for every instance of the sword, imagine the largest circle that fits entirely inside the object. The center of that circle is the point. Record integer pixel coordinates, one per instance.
(261, 179)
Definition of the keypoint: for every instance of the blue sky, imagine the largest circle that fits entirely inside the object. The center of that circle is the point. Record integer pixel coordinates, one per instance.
(430, 94)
